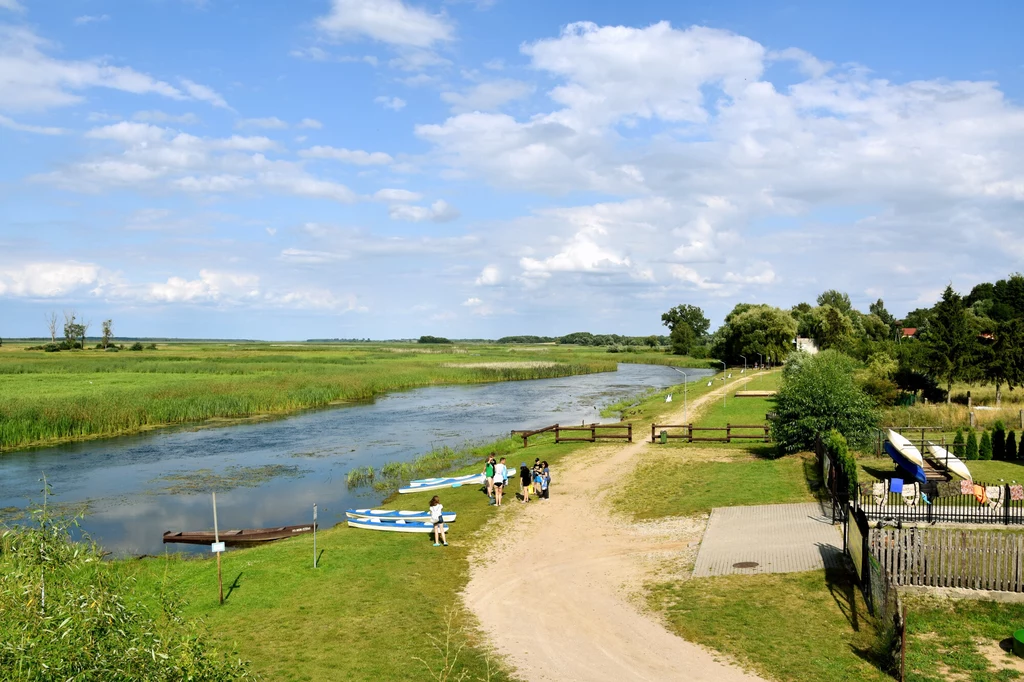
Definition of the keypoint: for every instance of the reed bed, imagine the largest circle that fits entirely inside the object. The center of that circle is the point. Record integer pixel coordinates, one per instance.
(51, 398)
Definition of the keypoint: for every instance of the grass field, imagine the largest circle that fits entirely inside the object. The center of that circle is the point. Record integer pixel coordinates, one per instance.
(682, 482)
(365, 614)
(792, 626)
(949, 639)
(47, 398)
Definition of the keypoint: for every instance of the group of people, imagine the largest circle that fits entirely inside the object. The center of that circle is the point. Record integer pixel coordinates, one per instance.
(535, 481)
(496, 477)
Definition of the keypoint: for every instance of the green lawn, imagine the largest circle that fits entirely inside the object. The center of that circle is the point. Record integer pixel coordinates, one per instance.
(949, 639)
(364, 614)
(675, 483)
(792, 626)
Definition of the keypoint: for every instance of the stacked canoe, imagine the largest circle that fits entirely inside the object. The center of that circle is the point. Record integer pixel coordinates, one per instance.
(395, 520)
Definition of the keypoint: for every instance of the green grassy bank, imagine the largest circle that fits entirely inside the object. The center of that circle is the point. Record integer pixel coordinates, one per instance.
(47, 398)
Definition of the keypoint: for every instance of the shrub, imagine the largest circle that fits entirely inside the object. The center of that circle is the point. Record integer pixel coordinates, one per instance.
(972, 446)
(818, 396)
(52, 348)
(999, 440)
(151, 346)
(90, 626)
(1010, 453)
(136, 346)
(433, 339)
(985, 446)
(958, 443)
(836, 445)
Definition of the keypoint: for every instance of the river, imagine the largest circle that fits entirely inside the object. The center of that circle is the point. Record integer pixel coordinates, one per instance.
(136, 487)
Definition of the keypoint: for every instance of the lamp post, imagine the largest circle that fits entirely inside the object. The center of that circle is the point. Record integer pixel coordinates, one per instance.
(685, 379)
(725, 392)
(761, 360)
(744, 362)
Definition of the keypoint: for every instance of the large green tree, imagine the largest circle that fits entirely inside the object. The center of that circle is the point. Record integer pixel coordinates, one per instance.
(1004, 359)
(951, 341)
(752, 329)
(821, 394)
(687, 324)
(830, 327)
(837, 299)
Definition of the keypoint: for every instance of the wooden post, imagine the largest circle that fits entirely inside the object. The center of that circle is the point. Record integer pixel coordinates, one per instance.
(593, 434)
(728, 433)
(972, 420)
(652, 432)
(216, 539)
(314, 535)
(629, 432)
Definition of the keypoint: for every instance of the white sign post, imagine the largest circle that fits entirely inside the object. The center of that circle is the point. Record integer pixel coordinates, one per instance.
(217, 548)
(314, 535)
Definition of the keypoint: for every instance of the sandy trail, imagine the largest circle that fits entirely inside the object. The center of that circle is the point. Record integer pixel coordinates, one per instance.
(552, 592)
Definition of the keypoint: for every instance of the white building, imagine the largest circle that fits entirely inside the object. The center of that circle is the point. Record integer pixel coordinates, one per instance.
(806, 345)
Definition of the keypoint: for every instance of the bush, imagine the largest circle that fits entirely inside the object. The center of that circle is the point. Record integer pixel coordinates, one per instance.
(151, 346)
(972, 446)
(113, 349)
(1010, 453)
(818, 396)
(958, 443)
(52, 348)
(433, 339)
(999, 440)
(836, 445)
(136, 346)
(985, 447)
(91, 626)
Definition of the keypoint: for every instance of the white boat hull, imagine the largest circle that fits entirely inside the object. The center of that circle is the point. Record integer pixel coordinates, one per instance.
(399, 526)
(950, 462)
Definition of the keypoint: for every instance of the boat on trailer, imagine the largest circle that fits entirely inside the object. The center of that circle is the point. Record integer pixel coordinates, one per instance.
(906, 456)
(235, 538)
(950, 462)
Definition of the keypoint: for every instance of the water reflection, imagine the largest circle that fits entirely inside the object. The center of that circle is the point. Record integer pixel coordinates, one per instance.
(121, 477)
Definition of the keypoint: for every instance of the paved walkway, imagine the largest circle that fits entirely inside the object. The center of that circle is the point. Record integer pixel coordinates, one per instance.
(777, 538)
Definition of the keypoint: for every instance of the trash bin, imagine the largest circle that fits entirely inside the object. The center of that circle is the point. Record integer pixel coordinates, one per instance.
(664, 437)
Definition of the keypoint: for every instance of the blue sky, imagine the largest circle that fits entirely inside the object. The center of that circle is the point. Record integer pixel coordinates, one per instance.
(390, 168)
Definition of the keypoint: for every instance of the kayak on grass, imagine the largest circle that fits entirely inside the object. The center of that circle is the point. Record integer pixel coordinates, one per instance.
(439, 483)
(396, 525)
(394, 514)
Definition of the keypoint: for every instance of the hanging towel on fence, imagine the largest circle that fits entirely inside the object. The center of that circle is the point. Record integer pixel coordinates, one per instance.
(1017, 493)
(877, 492)
(911, 494)
(994, 494)
(979, 494)
(949, 489)
(966, 488)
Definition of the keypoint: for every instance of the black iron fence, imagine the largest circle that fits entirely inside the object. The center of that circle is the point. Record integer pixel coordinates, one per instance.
(942, 502)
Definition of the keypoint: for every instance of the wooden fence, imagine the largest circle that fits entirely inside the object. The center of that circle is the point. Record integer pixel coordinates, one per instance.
(948, 557)
(762, 435)
(526, 434)
(596, 431)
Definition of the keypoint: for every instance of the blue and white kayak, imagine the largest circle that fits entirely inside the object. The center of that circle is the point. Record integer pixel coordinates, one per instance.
(394, 514)
(395, 525)
(906, 456)
(439, 483)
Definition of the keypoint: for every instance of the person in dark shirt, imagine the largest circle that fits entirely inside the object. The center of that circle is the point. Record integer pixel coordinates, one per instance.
(525, 481)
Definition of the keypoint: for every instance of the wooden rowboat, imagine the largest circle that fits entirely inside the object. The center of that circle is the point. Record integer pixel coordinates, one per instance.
(232, 538)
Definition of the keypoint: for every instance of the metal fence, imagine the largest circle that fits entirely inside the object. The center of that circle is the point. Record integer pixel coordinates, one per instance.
(942, 502)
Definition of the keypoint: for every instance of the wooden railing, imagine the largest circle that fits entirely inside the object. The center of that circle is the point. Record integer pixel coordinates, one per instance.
(763, 433)
(526, 434)
(596, 431)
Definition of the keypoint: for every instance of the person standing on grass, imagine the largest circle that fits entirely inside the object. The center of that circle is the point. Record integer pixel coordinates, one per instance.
(525, 481)
(537, 471)
(499, 481)
(489, 476)
(545, 480)
(438, 520)
(506, 472)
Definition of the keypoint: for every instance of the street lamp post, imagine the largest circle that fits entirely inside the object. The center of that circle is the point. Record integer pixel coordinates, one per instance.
(744, 362)
(685, 379)
(725, 391)
(761, 360)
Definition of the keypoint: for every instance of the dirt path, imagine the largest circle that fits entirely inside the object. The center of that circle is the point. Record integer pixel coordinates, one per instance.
(553, 592)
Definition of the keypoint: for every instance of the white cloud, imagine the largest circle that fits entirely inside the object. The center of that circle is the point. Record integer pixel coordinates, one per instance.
(439, 212)
(272, 122)
(30, 80)
(47, 280)
(211, 286)
(388, 21)
(478, 307)
(204, 93)
(694, 278)
(154, 116)
(472, 302)
(393, 103)
(357, 157)
(306, 256)
(12, 5)
(310, 123)
(417, 60)
(396, 195)
(91, 19)
(26, 128)
(487, 96)
(489, 276)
